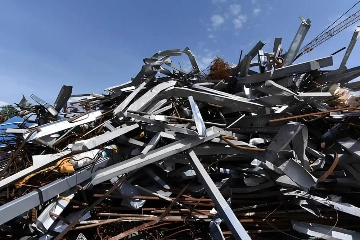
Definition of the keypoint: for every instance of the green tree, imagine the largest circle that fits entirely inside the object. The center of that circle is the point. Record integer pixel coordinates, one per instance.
(9, 111)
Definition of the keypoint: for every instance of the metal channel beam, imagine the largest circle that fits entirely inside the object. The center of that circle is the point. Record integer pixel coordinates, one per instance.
(251, 53)
(39, 161)
(132, 95)
(222, 206)
(289, 70)
(297, 41)
(147, 98)
(324, 232)
(350, 48)
(160, 124)
(151, 157)
(63, 97)
(55, 127)
(351, 145)
(342, 207)
(199, 122)
(233, 104)
(103, 138)
(299, 174)
(20, 205)
(45, 220)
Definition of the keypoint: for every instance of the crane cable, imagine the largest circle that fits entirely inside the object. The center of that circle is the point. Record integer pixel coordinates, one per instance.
(316, 41)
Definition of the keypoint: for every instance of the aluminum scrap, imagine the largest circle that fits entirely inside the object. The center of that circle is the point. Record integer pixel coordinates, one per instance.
(264, 149)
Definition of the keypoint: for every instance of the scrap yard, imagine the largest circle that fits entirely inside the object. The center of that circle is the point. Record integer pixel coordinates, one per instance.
(267, 148)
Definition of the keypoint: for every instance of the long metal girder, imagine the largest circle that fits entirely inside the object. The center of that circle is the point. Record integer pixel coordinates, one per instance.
(320, 231)
(222, 206)
(151, 157)
(146, 98)
(45, 220)
(289, 70)
(299, 174)
(103, 138)
(350, 48)
(234, 104)
(132, 95)
(160, 124)
(52, 128)
(22, 204)
(297, 41)
(342, 207)
(39, 161)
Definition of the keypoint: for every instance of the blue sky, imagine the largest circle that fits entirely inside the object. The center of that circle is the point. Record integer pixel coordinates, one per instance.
(93, 45)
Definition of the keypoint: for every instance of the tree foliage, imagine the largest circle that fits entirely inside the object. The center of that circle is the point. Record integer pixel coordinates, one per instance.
(9, 111)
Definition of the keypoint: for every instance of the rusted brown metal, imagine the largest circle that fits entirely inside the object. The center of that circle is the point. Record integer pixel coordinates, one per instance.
(148, 224)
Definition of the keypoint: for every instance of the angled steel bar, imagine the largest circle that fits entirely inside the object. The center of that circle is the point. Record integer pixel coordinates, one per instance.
(147, 98)
(52, 128)
(297, 41)
(39, 161)
(351, 145)
(91, 143)
(223, 207)
(160, 124)
(63, 97)
(342, 207)
(289, 70)
(22, 204)
(132, 95)
(259, 45)
(151, 157)
(45, 220)
(199, 122)
(231, 103)
(324, 232)
(349, 49)
(299, 174)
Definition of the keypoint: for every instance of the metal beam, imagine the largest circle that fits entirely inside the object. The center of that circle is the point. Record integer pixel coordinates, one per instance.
(342, 207)
(39, 161)
(151, 157)
(103, 138)
(349, 49)
(233, 104)
(20, 205)
(148, 97)
(297, 41)
(55, 127)
(222, 206)
(129, 98)
(289, 70)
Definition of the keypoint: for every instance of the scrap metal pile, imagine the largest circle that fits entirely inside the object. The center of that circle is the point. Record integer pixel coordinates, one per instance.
(260, 150)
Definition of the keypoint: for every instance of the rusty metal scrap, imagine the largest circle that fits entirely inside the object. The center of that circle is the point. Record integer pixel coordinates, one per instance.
(263, 149)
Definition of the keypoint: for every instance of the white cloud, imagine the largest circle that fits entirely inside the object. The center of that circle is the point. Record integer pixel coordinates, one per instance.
(253, 1)
(211, 36)
(235, 9)
(256, 11)
(205, 58)
(238, 22)
(205, 62)
(2, 103)
(218, 1)
(217, 21)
